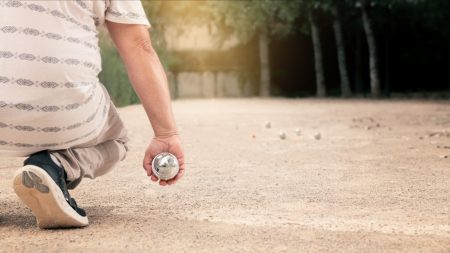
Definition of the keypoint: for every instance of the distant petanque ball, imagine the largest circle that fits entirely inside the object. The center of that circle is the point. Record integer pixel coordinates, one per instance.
(165, 166)
(317, 136)
(268, 124)
(297, 131)
(282, 135)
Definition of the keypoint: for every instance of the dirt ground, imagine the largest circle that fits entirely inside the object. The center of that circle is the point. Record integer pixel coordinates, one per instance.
(378, 179)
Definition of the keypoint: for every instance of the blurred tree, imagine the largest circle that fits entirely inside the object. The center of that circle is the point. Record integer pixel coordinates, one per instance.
(332, 6)
(309, 9)
(365, 6)
(311, 6)
(261, 18)
(335, 7)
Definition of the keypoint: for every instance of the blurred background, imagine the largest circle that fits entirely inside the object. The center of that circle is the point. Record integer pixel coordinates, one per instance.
(294, 48)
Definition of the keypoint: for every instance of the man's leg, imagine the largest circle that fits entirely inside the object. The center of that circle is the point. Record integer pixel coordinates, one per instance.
(97, 157)
(42, 183)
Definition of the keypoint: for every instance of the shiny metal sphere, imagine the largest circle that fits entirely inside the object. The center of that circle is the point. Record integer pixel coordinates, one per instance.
(165, 166)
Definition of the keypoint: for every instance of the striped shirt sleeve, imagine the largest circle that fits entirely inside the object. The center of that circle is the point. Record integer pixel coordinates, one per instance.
(126, 12)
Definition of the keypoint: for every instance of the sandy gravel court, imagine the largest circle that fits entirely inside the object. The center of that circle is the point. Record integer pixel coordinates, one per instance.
(377, 179)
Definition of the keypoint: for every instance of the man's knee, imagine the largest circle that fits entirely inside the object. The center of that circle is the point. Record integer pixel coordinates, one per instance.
(123, 144)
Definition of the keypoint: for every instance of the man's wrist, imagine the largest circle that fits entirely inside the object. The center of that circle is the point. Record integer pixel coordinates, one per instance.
(166, 133)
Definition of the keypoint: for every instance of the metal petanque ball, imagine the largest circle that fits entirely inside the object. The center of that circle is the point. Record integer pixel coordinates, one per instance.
(165, 166)
(317, 136)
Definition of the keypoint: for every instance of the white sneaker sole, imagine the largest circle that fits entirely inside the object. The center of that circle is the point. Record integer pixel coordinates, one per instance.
(45, 199)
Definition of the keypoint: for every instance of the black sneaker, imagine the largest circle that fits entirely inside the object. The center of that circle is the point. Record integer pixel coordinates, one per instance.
(41, 185)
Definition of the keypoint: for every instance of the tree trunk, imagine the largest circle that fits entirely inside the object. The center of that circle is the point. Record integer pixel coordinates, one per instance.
(340, 46)
(387, 67)
(373, 62)
(318, 60)
(264, 90)
(387, 56)
(359, 85)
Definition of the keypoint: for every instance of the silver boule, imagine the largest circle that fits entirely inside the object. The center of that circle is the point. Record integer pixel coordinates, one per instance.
(282, 135)
(298, 132)
(165, 166)
(268, 124)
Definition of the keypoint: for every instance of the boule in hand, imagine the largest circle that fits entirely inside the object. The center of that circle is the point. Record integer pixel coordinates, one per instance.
(165, 166)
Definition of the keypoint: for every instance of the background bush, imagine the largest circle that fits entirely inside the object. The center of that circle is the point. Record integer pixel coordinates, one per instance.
(114, 75)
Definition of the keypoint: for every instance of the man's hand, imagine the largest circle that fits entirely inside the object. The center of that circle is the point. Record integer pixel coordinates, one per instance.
(158, 145)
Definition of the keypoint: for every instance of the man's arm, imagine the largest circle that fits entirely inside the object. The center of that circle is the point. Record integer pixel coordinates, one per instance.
(149, 80)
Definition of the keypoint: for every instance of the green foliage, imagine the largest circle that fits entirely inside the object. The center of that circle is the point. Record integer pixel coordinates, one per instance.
(248, 18)
(114, 75)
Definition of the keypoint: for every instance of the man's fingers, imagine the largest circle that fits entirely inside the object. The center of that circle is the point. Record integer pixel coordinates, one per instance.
(180, 173)
(177, 177)
(147, 163)
(147, 159)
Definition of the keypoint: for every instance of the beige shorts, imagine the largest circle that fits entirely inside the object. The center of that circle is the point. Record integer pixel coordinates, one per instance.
(98, 156)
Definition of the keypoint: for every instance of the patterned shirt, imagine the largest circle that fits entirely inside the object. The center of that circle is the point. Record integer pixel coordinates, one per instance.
(50, 94)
